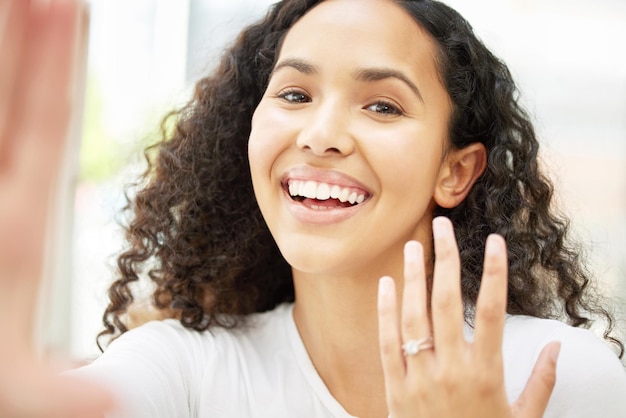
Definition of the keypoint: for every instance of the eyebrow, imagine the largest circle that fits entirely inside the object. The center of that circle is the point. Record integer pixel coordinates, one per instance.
(367, 74)
(297, 64)
(377, 74)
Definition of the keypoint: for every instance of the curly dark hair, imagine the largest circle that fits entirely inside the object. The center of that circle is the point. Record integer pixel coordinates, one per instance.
(197, 233)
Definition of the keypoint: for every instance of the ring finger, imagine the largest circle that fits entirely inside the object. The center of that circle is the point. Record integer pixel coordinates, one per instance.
(416, 334)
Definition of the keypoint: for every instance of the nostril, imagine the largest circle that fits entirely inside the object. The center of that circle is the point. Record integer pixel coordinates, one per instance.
(331, 150)
(325, 143)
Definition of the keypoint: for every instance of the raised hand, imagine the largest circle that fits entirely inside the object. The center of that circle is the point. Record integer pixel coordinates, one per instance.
(37, 40)
(436, 373)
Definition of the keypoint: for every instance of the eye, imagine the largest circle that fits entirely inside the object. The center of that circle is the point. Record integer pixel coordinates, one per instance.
(294, 96)
(385, 108)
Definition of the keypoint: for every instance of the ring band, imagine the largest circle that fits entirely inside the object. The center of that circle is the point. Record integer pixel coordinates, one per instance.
(413, 347)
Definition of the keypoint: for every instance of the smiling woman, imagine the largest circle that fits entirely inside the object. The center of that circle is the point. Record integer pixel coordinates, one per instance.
(305, 173)
(355, 119)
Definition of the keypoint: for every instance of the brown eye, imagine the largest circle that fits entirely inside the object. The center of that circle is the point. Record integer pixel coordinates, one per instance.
(384, 108)
(294, 97)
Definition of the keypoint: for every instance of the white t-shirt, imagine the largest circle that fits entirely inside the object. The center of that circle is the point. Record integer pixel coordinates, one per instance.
(162, 369)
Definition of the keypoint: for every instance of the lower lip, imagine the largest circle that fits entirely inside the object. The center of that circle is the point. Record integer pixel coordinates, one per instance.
(323, 216)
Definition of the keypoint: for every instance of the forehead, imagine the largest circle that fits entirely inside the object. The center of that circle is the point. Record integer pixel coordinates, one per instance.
(376, 31)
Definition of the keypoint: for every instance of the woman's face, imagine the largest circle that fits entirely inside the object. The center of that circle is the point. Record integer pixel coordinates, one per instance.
(348, 140)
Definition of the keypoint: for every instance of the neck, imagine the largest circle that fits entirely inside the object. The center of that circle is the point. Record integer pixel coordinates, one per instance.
(337, 321)
(337, 318)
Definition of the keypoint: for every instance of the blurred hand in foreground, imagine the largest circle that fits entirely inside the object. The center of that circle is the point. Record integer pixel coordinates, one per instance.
(38, 40)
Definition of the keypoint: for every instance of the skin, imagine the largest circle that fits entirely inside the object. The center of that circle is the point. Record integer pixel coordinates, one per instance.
(457, 378)
(337, 312)
(325, 118)
(321, 119)
(36, 46)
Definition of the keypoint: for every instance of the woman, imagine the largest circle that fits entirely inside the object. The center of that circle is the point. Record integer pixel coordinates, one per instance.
(362, 124)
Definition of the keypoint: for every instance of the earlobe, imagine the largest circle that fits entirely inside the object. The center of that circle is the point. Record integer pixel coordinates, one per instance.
(459, 171)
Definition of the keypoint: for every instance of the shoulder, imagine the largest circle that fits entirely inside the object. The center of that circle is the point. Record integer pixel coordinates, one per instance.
(170, 348)
(591, 381)
(147, 370)
(171, 335)
(163, 369)
(526, 336)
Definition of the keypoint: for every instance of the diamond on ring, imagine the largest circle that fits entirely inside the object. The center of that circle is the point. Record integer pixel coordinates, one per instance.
(413, 347)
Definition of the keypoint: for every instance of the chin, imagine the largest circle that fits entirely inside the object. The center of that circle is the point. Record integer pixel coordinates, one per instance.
(317, 255)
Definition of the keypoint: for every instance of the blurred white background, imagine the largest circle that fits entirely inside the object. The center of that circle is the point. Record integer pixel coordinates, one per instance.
(144, 56)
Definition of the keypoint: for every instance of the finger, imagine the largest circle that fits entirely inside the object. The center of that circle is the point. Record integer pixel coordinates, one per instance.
(37, 132)
(447, 305)
(41, 103)
(45, 93)
(491, 304)
(389, 335)
(534, 399)
(13, 25)
(415, 323)
(40, 120)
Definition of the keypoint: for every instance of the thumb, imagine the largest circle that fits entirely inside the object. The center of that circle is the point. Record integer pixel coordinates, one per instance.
(534, 399)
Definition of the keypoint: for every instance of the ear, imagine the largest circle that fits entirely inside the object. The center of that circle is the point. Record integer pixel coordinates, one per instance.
(459, 171)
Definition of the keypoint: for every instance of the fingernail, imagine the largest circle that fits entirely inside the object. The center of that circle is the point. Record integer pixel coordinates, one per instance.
(494, 245)
(411, 249)
(441, 226)
(385, 285)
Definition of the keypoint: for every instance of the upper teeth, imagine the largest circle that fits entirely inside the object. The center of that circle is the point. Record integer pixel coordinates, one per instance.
(324, 191)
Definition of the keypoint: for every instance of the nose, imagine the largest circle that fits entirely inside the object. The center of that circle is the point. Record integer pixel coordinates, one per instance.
(326, 131)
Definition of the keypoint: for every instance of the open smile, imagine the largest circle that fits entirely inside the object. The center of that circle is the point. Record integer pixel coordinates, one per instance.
(320, 197)
(324, 196)
(320, 203)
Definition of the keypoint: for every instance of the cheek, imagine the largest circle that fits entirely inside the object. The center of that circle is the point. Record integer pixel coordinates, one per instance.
(409, 153)
(273, 131)
(270, 135)
(259, 149)
(260, 160)
(407, 167)
(269, 129)
(257, 159)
